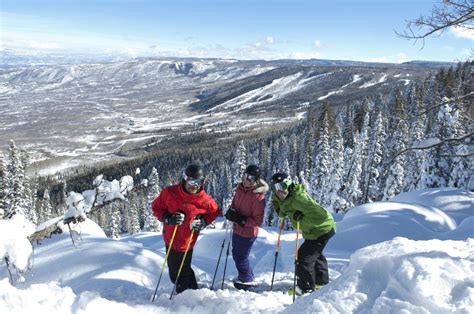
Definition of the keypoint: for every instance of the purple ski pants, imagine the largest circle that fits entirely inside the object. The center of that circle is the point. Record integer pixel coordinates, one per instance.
(240, 252)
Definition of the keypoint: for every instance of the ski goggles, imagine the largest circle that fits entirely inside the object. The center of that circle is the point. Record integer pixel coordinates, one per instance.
(281, 186)
(196, 182)
(250, 177)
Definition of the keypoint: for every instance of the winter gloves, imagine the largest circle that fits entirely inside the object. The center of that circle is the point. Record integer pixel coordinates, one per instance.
(298, 216)
(234, 216)
(178, 218)
(175, 219)
(198, 224)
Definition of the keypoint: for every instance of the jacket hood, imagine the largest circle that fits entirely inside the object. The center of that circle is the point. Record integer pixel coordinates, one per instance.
(262, 187)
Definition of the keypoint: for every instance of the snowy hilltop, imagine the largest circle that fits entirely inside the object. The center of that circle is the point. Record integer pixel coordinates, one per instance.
(412, 254)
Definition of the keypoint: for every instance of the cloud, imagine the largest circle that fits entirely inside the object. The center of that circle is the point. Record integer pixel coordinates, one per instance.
(304, 55)
(269, 40)
(398, 58)
(401, 57)
(463, 32)
(317, 44)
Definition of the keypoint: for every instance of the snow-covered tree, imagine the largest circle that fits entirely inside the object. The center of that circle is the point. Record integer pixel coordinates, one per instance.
(3, 186)
(372, 186)
(351, 190)
(337, 202)
(153, 190)
(320, 185)
(133, 215)
(18, 196)
(115, 221)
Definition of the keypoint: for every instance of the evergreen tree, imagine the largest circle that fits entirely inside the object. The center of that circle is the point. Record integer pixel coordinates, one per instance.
(351, 191)
(153, 190)
(115, 221)
(134, 215)
(17, 197)
(46, 208)
(372, 186)
(322, 165)
(337, 201)
(3, 187)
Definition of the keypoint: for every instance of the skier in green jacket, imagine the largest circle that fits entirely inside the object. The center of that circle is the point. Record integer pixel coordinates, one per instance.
(316, 223)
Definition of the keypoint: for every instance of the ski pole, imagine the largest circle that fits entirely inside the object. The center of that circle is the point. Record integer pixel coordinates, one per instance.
(276, 253)
(220, 254)
(296, 259)
(225, 264)
(166, 258)
(182, 263)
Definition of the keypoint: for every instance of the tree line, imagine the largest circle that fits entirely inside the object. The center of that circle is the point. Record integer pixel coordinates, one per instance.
(411, 138)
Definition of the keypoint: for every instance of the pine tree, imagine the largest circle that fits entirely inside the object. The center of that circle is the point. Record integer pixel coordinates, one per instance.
(133, 215)
(115, 221)
(337, 201)
(17, 199)
(414, 158)
(153, 190)
(372, 186)
(3, 187)
(322, 165)
(46, 208)
(351, 190)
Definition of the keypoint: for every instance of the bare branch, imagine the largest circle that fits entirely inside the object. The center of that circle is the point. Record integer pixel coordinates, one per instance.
(451, 13)
(440, 143)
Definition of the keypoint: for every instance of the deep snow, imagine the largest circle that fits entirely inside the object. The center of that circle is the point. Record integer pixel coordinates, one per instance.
(412, 254)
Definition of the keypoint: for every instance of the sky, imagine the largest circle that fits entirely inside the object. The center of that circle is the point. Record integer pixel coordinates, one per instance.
(413, 254)
(245, 29)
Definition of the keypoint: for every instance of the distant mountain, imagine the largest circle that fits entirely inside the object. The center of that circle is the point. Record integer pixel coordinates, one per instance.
(82, 112)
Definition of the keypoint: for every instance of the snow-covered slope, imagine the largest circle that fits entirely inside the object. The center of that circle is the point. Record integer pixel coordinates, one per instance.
(400, 273)
(105, 110)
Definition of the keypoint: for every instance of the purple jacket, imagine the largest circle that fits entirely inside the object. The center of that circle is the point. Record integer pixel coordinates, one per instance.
(250, 202)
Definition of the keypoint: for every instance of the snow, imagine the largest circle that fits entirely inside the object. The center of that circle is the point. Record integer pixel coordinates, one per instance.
(412, 254)
(373, 82)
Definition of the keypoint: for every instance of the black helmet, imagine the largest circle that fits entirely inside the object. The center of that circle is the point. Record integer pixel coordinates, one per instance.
(253, 170)
(281, 180)
(194, 171)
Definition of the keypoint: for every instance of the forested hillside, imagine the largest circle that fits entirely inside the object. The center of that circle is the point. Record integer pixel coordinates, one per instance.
(370, 149)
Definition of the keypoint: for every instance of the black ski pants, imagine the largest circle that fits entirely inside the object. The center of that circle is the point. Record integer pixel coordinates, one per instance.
(187, 279)
(312, 267)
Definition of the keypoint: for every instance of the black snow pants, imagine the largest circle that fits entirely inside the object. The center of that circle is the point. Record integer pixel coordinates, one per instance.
(312, 267)
(187, 279)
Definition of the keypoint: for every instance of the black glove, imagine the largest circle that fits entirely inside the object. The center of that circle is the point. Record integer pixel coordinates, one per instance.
(175, 219)
(234, 216)
(198, 224)
(298, 216)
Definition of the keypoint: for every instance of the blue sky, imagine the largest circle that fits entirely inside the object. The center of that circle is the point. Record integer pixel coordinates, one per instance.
(246, 29)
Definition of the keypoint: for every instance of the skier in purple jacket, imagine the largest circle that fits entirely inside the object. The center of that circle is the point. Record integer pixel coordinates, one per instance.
(246, 211)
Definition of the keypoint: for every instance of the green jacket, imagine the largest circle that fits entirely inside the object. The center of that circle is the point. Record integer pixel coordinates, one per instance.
(316, 221)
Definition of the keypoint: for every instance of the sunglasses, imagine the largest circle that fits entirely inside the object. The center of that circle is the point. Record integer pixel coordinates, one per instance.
(196, 182)
(250, 177)
(281, 186)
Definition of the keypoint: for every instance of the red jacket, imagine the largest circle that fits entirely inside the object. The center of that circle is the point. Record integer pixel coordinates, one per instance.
(250, 202)
(174, 199)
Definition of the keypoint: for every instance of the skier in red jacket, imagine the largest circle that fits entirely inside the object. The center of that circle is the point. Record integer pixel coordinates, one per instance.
(246, 211)
(187, 206)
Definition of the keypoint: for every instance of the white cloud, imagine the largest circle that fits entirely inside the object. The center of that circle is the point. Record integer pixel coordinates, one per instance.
(317, 44)
(402, 57)
(463, 32)
(269, 40)
(304, 55)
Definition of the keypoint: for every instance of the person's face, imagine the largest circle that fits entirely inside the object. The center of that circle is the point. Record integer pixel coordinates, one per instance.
(193, 185)
(249, 181)
(192, 189)
(282, 194)
(280, 190)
